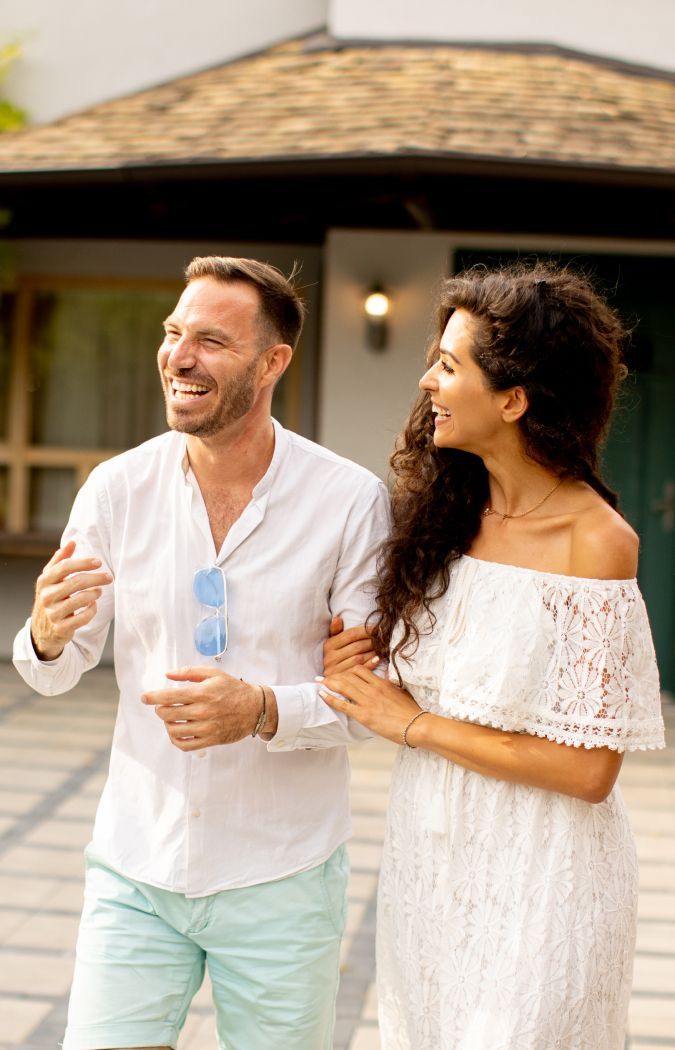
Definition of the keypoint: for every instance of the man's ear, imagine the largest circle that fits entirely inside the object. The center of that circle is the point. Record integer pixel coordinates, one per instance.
(515, 404)
(276, 360)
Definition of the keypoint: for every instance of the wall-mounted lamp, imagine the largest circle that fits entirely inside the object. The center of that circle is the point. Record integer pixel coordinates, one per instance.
(377, 306)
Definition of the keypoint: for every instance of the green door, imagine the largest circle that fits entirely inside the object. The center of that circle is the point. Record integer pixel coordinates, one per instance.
(639, 459)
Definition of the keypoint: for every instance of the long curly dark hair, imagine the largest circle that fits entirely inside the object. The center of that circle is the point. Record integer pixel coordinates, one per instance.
(537, 326)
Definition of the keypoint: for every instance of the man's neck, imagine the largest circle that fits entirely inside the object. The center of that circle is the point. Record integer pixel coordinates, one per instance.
(237, 457)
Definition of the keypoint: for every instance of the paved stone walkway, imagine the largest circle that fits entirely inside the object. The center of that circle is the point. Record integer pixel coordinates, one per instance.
(53, 757)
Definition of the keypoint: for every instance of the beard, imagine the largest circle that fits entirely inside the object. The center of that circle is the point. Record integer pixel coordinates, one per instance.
(236, 400)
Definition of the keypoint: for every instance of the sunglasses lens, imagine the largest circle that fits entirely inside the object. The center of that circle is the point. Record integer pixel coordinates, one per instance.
(209, 587)
(211, 636)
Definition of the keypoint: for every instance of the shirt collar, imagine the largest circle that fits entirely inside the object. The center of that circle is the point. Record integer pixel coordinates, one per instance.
(265, 483)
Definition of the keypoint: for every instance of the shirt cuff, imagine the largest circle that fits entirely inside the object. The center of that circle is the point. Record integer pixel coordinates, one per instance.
(291, 715)
(25, 650)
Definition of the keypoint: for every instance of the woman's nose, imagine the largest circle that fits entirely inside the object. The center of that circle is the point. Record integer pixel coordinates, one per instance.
(428, 380)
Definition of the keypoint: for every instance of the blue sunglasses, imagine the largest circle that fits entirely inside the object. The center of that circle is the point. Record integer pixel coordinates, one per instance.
(208, 587)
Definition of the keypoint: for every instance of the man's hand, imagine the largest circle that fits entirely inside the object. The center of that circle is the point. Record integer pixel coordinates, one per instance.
(66, 593)
(211, 708)
(347, 649)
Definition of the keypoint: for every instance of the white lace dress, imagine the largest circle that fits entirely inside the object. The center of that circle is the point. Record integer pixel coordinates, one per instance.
(507, 913)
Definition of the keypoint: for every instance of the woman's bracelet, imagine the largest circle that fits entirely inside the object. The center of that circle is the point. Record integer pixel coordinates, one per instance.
(405, 731)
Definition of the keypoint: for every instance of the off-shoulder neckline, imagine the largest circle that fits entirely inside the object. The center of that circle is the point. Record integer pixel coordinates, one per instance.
(549, 575)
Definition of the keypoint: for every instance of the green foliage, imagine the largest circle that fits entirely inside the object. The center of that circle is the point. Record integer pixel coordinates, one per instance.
(11, 117)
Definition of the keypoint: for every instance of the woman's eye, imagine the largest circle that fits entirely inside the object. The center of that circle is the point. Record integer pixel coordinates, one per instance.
(447, 368)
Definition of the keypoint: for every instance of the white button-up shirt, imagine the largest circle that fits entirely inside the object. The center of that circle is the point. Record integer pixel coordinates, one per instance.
(302, 551)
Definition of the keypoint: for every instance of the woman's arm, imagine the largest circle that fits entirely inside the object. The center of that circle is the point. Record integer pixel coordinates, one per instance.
(519, 758)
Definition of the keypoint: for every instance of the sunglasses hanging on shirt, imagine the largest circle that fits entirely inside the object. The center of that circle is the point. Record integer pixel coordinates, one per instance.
(208, 587)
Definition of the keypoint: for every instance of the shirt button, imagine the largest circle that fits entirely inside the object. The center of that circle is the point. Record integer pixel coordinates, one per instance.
(280, 743)
(196, 812)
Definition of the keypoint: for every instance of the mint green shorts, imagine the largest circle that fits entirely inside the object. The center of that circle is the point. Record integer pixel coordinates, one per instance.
(272, 953)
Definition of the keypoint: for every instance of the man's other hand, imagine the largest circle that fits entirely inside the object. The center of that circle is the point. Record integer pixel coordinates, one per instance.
(66, 593)
(210, 708)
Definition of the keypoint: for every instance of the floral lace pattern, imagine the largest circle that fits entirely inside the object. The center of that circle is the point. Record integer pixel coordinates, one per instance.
(507, 913)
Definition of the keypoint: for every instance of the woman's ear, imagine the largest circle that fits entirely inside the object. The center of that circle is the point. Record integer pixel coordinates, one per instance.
(515, 404)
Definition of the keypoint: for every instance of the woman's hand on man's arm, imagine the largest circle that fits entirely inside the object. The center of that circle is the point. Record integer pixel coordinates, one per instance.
(343, 650)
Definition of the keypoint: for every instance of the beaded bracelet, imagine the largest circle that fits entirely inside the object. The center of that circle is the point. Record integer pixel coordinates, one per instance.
(405, 731)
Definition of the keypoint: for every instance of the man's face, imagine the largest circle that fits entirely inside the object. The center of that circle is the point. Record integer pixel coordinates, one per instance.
(210, 355)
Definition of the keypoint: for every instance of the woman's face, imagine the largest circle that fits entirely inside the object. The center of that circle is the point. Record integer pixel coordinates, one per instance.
(468, 415)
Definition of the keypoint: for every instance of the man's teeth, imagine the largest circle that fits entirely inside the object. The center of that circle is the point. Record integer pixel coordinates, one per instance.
(187, 391)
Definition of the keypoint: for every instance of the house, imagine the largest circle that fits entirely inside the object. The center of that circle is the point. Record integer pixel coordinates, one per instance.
(375, 161)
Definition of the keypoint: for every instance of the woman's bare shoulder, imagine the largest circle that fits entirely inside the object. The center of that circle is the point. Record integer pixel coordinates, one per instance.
(603, 544)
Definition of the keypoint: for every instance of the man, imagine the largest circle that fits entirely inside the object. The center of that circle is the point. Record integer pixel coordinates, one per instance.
(222, 549)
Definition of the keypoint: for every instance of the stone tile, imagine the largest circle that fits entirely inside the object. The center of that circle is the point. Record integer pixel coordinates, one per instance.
(44, 758)
(355, 912)
(657, 822)
(647, 794)
(657, 877)
(366, 1037)
(31, 779)
(39, 931)
(68, 897)
(22, 972)
(663, 1044)
(199, 1033)
(367, 801)
(652, 848)
(26, 891)
(372, 779)
(78, 806)
(362, 885)
(656, 937)
(19, 802)
(94, 785)
(651, 1016)
(655, 974)
(204, 997)
(9, 920)
(365, 856)
(70, 833)
(26, 738)
(369, 826)
(370, 1005)
(656, 905)
(20, 1017)
(32, 860)
(345, 951)
(6, 823)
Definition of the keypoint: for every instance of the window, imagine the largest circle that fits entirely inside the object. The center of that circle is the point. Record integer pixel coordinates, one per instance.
(78, 384)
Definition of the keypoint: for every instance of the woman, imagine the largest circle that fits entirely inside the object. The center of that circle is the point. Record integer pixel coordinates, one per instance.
(517, 634)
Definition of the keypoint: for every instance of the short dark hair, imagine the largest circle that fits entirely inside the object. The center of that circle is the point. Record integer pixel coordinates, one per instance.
(281, 308)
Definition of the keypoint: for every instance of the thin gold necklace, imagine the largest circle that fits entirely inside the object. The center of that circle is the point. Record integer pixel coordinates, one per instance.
(490, 509)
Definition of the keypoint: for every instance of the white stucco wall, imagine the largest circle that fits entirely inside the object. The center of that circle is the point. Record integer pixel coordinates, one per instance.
(89, 51)
(642, 33)
(365, 396)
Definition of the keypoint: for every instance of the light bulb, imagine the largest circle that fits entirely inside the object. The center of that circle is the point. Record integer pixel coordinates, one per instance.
(377, 305)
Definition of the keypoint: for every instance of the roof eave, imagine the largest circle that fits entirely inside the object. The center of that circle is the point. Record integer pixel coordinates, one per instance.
(345, 164)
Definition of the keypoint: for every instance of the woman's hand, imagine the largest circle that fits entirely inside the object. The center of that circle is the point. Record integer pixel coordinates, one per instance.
(377, 704)
(347, 649)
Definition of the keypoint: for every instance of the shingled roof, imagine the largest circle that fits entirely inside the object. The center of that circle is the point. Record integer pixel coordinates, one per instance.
(315, 99)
